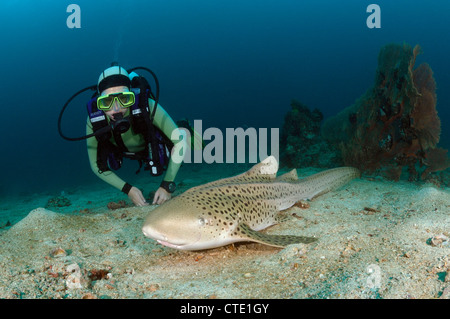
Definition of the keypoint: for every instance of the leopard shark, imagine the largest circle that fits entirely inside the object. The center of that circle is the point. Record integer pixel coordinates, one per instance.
(237, 208)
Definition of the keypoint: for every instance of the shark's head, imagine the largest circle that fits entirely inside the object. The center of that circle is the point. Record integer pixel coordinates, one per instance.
(179, 225)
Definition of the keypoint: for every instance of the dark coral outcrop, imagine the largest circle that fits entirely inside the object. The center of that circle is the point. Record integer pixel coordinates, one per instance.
(394, 126)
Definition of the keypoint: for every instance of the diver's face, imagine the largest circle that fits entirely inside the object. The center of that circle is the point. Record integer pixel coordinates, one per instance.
(116, 107)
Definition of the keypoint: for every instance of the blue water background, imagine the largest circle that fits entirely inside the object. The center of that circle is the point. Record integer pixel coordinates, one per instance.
(230, 63)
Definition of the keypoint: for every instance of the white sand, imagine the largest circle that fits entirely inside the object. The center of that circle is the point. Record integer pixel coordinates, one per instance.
(368, 225)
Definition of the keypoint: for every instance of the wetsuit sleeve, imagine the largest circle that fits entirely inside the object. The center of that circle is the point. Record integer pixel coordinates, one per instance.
(109, 177)
(166, 124)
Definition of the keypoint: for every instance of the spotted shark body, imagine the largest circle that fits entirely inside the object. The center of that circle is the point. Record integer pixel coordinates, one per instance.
(235, 209)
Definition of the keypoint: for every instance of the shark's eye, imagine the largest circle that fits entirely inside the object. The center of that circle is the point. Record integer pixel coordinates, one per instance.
(201, 221)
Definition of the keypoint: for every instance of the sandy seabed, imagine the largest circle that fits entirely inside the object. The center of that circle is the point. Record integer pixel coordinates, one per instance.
(376, 239)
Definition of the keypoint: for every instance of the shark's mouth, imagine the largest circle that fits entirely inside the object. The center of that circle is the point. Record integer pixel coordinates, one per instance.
(160, 238)
(165, 243)
(183, 245)
(172, 240)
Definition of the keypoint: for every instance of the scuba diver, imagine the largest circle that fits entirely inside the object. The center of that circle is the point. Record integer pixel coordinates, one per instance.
(125, 121)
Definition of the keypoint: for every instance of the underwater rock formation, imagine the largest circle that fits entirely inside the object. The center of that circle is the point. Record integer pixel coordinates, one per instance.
(58, 201)
(394, 125)
(301, 144)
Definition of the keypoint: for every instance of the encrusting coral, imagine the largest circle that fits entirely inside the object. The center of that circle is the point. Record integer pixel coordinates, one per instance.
(395, 123)
(58, 201)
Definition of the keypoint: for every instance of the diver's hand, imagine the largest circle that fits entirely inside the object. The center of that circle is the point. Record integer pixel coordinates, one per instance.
(135, 195)
(161, 196)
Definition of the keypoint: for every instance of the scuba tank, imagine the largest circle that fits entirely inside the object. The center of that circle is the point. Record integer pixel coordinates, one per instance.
(157, 159)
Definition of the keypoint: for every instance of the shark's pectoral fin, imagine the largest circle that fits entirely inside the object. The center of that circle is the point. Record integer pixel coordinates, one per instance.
(272, 240)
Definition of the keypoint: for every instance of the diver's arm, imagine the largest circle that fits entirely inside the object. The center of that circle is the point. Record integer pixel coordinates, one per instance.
(134, 194)
(166, 124)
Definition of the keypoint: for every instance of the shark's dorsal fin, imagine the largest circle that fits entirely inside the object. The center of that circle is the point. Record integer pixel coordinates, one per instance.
(246, 233)
(290, 176)
(262, 172)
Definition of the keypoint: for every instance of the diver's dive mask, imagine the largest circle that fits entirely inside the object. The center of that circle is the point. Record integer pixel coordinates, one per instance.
(125, 99)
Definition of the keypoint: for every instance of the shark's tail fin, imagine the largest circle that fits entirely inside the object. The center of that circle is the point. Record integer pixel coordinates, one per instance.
(328, 180)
